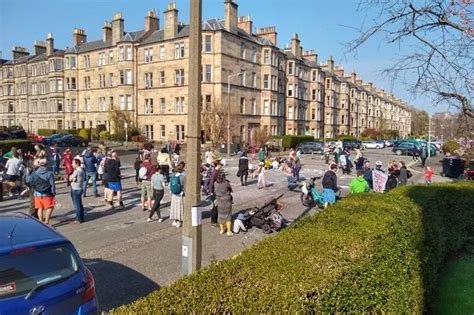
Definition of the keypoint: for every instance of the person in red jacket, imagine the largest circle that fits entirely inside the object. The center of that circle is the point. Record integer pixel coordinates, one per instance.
(67, 163)
(428, 175)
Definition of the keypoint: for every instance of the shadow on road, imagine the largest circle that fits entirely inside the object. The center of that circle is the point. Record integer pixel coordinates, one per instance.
(117, 284)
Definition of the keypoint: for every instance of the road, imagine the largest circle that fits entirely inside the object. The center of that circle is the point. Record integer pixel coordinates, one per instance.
(130, 257)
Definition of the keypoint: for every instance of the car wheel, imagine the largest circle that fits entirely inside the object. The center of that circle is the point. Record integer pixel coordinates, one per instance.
(377, 147)
(83, 144)
(398, 152)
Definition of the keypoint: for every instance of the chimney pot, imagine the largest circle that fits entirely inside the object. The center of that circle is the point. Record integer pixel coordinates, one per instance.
(171, 21)
(245, 23)
(231, 13)
(152, 23)
(49, 45)
(78, 36)
(117, 28)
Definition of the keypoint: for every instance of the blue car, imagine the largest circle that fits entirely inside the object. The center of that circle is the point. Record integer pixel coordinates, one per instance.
(52, 139)
(41, 271)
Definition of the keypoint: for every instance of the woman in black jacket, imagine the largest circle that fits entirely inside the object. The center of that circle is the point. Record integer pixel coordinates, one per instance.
(330, 185)
(243, 171)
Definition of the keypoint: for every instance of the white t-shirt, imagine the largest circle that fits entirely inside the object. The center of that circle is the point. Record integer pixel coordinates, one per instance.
(13, 166)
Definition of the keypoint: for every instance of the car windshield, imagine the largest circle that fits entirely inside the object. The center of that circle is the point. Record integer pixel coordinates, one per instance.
(20, 273)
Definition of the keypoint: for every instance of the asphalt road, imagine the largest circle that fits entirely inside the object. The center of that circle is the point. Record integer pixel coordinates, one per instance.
(130, 257)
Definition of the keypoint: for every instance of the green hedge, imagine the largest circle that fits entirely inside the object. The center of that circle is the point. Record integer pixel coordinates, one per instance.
(369, 253)
(24, 145)
(49, 132)
(290, 141)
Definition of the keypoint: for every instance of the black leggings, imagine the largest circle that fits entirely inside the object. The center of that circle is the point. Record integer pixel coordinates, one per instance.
(165, 171)
(157, 197)
(242, 180)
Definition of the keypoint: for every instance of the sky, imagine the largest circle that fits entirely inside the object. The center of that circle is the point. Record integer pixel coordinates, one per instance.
(323, 25)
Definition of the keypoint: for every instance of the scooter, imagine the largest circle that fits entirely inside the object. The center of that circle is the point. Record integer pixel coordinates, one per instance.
(310, 196)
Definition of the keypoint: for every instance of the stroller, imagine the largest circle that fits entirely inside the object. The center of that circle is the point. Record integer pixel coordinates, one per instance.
(267, 217)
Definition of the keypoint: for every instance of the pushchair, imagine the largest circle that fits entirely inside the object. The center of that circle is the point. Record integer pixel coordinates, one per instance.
(267, 217)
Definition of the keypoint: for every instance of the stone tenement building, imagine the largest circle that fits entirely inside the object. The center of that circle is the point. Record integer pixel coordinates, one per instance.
(143, 74)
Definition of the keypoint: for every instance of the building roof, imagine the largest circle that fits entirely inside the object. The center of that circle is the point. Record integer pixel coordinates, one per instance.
(42, 57)
(19, 60)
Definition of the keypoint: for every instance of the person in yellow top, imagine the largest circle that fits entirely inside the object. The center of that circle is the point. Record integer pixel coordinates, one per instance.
(164, 161)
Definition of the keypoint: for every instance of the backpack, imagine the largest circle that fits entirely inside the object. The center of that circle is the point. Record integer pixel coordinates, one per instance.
(142, 173)
(175, 185)
(40, 184)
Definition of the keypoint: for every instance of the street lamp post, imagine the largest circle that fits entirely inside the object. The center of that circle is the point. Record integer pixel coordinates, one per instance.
(228, 109)
(191, 251)
(429, 136)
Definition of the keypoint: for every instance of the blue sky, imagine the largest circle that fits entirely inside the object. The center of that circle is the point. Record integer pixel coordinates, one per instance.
(323, 25)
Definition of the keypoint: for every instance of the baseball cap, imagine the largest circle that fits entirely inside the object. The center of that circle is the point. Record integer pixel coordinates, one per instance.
(379, 163)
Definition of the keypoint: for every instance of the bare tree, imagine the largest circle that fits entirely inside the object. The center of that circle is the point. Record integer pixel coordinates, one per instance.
(260, 137)
(214, 123)
(435, 38)
(118, 118)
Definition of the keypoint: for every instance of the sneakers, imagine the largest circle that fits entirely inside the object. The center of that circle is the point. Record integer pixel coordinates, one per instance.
(149, 220)
(160, 220)
(111, 203)
(221, 232)
(174, 223)
(178, 225)
(229, 233)
(121, 204)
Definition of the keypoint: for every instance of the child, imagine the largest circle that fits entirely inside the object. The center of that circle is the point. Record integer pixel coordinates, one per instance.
(136, 165)
(261, 176)
(428, 175)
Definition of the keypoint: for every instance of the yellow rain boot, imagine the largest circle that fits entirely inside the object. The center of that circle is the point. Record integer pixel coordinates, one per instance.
(229, 226)
(222, 228)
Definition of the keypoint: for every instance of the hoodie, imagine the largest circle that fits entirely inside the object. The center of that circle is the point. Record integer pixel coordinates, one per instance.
(358, 185)
(90, 162)
(45, 174)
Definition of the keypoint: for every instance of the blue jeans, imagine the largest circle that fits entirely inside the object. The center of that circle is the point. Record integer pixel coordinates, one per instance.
(89, 175)
(76, 196)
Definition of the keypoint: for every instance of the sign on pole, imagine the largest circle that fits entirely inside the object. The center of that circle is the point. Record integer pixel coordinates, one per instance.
(379, 179)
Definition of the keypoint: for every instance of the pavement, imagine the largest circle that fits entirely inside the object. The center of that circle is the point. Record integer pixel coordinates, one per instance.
(130, 257)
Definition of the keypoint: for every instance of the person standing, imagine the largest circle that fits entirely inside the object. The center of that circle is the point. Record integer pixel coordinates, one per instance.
(42, 182)
(77, 180)
(392, 180)
(261, 155)
(261, 183)
(296, 167)
(13, 170)
(368, 174)
(157, 183)
(112, 168)
(403, 176)
(136, 167)
(146, 186)
(428, 175)
(208, 156)
(243, 171)
(358, 184)
(165, 162)
(423, 154)
(90, 168)
(177, 152)
(329, 183)
(56, 159)
(177, 188)
(212, 181)
(67, 163)
(223, 192)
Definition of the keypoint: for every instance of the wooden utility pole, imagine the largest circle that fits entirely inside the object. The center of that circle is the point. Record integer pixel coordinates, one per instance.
(192, 230)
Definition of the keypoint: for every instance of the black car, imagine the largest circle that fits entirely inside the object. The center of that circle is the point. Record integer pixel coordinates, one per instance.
(405, 148)
(71, 141)
(4, 136)
(352, 144)
(309, 147)
(18, 133)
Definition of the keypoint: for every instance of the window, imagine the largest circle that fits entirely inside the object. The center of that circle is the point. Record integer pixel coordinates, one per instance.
(242, 76)
(111, 56)
(162, 131)
(254, 79)
(207, 43)
(179, 132)
(266, 83)
(162, 78)
(149, 131)
(122, 102)
(290, 90)
(125, 76)
(148, 106)
(102, 60)
(101, 104)
(290, 68)
(162, 52)
(328, 83)
(73, 105)
(274, 108)
(313, 94)
(208, 75)
(10, 107)
(179, 105)
(102, 80)
(243, 51)
(266, 56)
(179, 50)
(111, 80)
(266, 108)
(86, 104)
(111, 102)
(148, 80)
(87, 61)
(128, 52)
(42, 88)
(242, 105)
(129, 102)
(121, 53)
(52, 86)
(148, 55)
(254, 107)
(87, 82)
(179, 76)
(162, 105)
(70, 63)
(254, 54)
(60, 85)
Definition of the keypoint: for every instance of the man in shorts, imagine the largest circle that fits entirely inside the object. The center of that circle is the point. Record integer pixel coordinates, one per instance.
(112, 168)
(41, 181)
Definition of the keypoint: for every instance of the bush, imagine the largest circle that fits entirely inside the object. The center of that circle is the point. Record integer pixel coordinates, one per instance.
(133, 131)
(120, 137)
(346, 138)
(450, 146)
(24, 145)
(46, 132)
(291, 141)
(370, 253)
(104, 135)
(100, 128)
(140, 139)
(84, 133)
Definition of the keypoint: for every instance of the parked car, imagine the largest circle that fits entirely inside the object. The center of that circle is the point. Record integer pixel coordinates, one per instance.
(352, 144)
(52, 139)
(406, 148)
(17, 132)
(41, 271)
(34, 138)
(371, 145)
(309, 147)
(4, 136)
(389, 143)
(381, 143)
(72, 141)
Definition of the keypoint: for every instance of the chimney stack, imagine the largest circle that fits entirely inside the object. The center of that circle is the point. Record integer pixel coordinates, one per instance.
(171, 21)
(78, 37)
(19, 52)
(49, 45)
(268, 33)
(353, 77)
(330, 64)
(339, 71)
(117, 28)
(311, 55)
(40, 47)
(295, 46)
(231, 16)
(107, 31)
(245, 23)
(152, 23)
